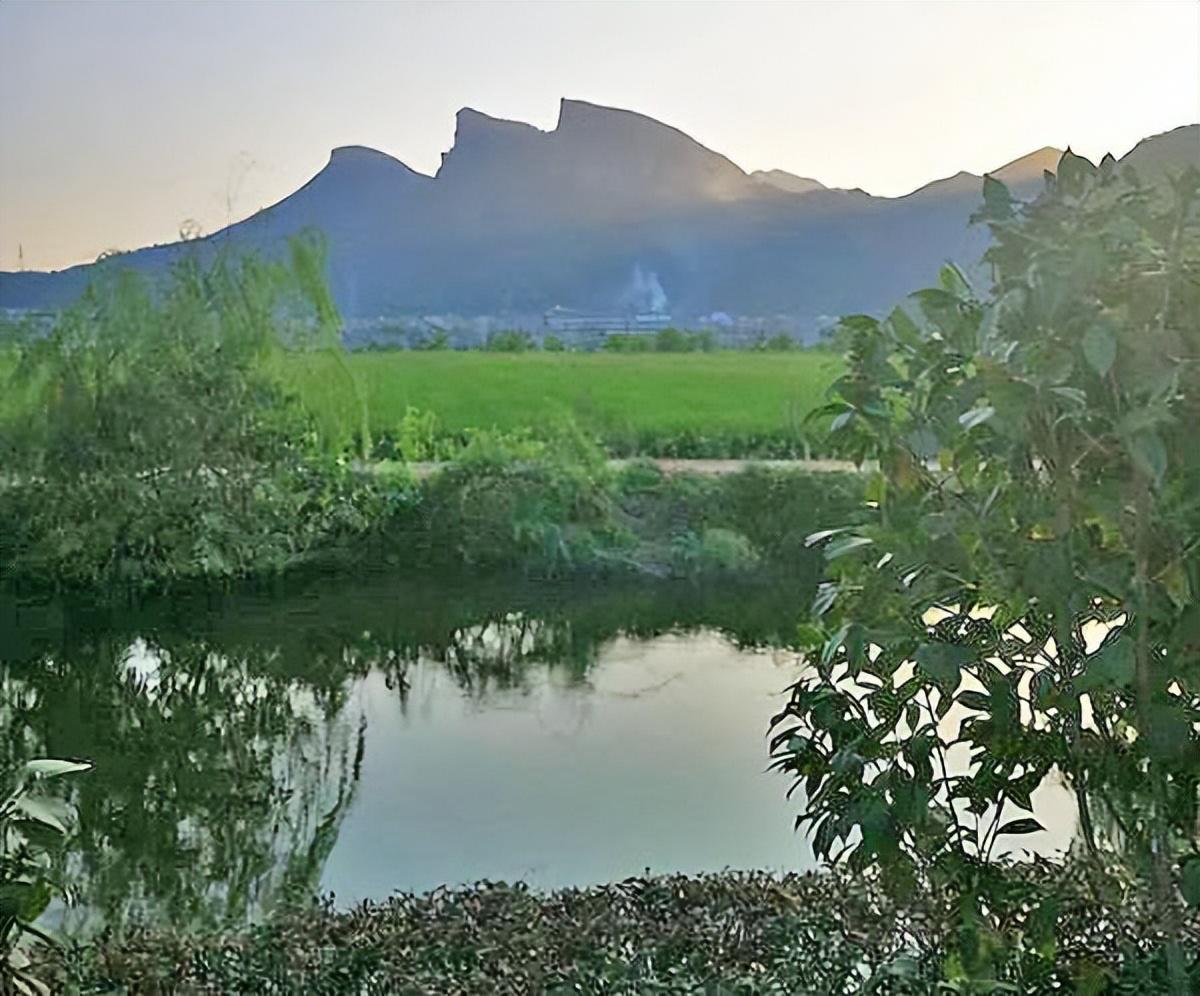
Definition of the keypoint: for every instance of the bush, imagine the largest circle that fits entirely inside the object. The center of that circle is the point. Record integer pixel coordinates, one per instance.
(624, 343)
(1024, 593)
(437, 341)
(513, 501)
(751, 933)
(151, 446)
(713, 551)
(510, 341)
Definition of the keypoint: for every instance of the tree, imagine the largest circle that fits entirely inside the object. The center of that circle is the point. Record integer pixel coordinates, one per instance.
(145, 438)
(1023, 595)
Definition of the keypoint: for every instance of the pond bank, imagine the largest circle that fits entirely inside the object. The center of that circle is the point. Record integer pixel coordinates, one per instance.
(673, 467)
(526, 508)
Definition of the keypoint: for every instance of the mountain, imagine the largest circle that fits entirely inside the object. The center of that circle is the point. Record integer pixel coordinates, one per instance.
(1154, 156)
(790, 182)
(613, 212)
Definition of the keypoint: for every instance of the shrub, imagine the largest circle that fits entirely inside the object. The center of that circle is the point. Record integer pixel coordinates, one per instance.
(1024, 593)
(713, 551)
(751, 933)
(151, 444)
(624, 343)
(510, 341)
(515, 501)
(437, 341)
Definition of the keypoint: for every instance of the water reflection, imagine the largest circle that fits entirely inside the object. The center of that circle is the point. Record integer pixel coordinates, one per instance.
(398, 734)
(656, 760)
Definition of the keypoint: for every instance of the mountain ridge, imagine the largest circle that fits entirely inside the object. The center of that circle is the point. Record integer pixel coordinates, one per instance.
(518, 220)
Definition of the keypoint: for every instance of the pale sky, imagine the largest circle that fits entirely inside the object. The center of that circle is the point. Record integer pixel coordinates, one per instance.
(119, 121)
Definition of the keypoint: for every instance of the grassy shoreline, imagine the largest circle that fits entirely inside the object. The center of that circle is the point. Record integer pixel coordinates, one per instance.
(552, 514)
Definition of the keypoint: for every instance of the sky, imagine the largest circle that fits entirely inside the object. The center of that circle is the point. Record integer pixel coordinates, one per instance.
(122, 122)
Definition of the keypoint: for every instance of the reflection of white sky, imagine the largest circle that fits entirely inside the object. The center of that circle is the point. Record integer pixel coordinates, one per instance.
(1054, 803)
(144, 663)
(122, 120)
(657, 761)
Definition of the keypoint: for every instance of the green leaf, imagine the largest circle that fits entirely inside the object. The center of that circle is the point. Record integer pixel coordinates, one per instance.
(976, 700)
(1074, 172)
(53, 813)
(826, 595)
(903, 327)
(953, 281)
(48, 767)
(812, 539)
(25, 901)
(944, 661)
(841, 421)
(840, 548)
(1189, 881)
(832, 644)
(976, 416)
(1112, 666)
(1100, 348)
(1072, 395)
(1027, 824)
(924, 443)
(997, 201)
(1149, 454)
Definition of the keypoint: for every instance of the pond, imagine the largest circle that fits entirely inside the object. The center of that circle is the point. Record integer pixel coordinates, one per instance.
(360, 738)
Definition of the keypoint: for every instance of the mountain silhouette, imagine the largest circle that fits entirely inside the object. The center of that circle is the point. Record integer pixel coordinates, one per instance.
(611, 210)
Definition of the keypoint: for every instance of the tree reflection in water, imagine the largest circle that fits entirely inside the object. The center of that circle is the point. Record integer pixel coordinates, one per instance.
(228, 734)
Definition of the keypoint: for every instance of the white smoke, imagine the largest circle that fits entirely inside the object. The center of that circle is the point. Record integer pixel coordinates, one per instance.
(645, 293)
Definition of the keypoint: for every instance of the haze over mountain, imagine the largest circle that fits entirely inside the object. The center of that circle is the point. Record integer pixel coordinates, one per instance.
(610, 211)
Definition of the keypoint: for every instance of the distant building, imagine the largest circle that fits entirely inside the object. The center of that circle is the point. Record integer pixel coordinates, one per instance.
(584, 322)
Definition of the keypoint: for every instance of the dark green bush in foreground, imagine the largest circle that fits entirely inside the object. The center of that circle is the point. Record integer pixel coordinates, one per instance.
(732, 933)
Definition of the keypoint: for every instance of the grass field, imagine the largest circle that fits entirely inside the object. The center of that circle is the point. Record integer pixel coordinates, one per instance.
(665, 404)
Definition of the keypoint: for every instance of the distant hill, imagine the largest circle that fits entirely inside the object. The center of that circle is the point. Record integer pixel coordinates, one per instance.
(1154, 156)
(610, 211)
(790, 182)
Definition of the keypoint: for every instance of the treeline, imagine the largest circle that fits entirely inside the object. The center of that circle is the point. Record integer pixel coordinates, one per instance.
(668, 340)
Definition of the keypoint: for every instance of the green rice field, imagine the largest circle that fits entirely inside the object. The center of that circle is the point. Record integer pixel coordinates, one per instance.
(717, 404)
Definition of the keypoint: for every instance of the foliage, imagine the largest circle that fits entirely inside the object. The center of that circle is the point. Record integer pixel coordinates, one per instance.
(628, 343)
(32, 826)
(510, 341)
(714, 551)
(553, 344)
(772, 510)
(735, 933)
(150, 443)
(553, 505)
(516, 501)
(668, 340)
(416, 438)
(308, 259)
(781, 342)
(437, 341)
(1023, 598)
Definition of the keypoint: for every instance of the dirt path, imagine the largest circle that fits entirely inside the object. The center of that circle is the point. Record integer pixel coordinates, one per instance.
(702, 468)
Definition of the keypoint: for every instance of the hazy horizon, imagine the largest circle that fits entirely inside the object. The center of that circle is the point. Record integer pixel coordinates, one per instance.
(119, 121)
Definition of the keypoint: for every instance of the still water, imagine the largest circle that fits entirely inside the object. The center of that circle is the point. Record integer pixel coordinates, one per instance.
(392, 734)
(656, 760)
